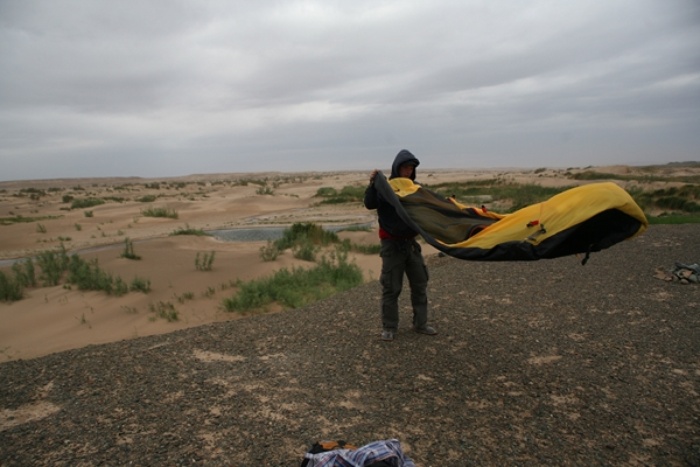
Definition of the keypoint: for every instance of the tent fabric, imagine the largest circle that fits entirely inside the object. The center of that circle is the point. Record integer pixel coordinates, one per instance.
(581, 220)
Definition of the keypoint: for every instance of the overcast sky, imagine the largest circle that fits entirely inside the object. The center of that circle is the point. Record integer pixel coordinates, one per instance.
(168, 88)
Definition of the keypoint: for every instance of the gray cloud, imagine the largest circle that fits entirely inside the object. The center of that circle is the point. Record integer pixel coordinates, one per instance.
(171, 88)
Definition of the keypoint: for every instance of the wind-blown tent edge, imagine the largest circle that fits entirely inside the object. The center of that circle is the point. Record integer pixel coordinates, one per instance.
(581, 220)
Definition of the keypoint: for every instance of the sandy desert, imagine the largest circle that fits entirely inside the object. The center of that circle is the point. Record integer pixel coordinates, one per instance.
(51, 319)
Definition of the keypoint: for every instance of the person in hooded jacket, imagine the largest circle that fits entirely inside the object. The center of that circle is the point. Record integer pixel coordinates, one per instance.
(400, 253)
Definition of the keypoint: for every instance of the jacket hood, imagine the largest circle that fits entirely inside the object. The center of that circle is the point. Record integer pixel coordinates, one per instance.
(401, 158)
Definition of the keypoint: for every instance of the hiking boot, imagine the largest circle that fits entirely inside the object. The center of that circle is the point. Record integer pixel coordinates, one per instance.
(388, 335)
(427, 330)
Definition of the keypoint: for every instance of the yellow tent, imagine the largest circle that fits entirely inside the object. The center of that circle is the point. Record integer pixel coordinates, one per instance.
(580, 220)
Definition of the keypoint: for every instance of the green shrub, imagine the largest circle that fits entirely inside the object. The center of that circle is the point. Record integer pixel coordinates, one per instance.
(372, 249)
(185, 296)
(119, 287)
(305, 250)
(147, 199)
(641, 178)
(160, 212)
(300, 233)
(204, 261)
(305, 239)
(357, 228)
(117, 199)
(326, 192)
(264, 190)
(677, 203)
(86, 203)
(140, 285)
(348, 194)
(674, 219)
(270, 251)
(14, 220)
(682, 201)
(165, 310)
(128, 252)
(87, 275)
(19, 219)
(11, 290)
(52, 264)
(297, 287)
(34, 193)
(516, 195)
(24, 273)
(187, 230)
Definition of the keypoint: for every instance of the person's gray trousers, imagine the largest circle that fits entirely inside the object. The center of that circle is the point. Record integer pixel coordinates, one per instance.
(401, 257)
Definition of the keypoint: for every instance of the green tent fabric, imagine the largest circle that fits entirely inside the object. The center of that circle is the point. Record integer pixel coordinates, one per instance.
(581, 220)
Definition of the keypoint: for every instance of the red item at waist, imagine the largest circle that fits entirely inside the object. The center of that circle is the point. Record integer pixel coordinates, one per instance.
(384, 235)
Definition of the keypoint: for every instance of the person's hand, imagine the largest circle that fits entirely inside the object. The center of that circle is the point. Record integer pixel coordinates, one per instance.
(373, 175)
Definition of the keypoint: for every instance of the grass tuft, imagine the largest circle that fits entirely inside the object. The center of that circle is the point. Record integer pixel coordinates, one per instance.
(160, 212)
(204, 261)
(86, 203)
(128, 252)
(187, 230)
(11, 289)
(164, 310)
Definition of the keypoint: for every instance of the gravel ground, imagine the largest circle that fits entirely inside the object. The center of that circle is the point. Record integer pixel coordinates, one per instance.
(543, 363)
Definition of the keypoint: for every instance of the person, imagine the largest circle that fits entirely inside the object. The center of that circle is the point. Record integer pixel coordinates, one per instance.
(401, 255)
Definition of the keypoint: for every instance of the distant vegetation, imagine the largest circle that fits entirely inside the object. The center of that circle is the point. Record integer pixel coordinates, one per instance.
(676, 204)
(56, 267)
(505, 196)
(671, 219)
(160, 212)
(265, 190)
(86, 203)
(680, 201)
(348, 194)
(645, 178)
(306, 239)
(187, 230)
(21, 219)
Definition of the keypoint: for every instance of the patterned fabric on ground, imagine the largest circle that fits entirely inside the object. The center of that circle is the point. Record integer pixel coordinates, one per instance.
(388, 451)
